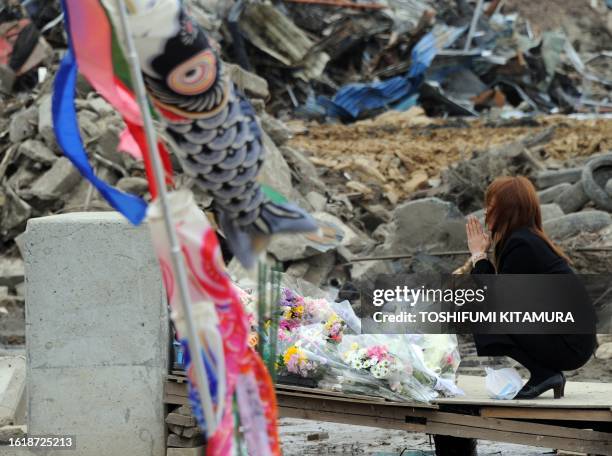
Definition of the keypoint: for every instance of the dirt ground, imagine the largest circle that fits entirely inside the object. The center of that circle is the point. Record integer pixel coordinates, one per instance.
(585, 26)
(359, 440)
(394, 150)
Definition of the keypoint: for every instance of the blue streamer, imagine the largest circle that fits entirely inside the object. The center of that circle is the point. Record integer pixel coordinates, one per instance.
(194, 395)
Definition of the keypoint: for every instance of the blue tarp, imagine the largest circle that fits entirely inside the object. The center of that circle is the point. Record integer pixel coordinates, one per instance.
(352, 99)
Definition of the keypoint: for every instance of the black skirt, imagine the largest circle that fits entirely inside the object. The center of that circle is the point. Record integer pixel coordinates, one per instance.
(561, 352)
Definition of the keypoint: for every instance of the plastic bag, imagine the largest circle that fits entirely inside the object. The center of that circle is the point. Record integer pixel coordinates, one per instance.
(503, 383)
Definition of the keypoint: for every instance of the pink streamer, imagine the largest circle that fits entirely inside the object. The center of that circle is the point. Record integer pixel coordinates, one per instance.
(128, 144)
(91, 39)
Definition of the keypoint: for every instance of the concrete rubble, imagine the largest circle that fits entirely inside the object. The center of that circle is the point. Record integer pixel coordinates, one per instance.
(184, 434)
(12, 397)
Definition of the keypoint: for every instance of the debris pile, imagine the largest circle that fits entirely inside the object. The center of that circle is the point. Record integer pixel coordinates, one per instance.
(348, 60)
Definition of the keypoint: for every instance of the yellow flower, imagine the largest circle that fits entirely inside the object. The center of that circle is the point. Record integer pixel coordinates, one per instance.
(298, 311)
(330, 322)
(291, 351)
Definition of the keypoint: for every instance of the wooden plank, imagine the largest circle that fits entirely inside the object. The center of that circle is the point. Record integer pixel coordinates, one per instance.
(349, 418)
(321, 404)
(578, 395)
(176, 378)
(176, 389)
(173, 399)
(457, 430)
(434, 416)
(560, 414)
(362, 414)
(305, 389)
(342, 399)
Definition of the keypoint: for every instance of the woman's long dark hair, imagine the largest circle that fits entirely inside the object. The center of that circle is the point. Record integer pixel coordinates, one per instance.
(512, 203)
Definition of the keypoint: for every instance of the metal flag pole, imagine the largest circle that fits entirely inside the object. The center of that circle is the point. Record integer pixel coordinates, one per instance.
(178, 263)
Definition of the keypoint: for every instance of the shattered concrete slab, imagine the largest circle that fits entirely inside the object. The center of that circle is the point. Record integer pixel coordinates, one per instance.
(37, 152)
(7, 79)
(12, 271)
(24, 124)
(12, 388)
(570, 225)
(58, 181)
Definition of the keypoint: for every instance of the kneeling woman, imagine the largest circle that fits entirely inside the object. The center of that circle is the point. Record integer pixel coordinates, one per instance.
(520, 246)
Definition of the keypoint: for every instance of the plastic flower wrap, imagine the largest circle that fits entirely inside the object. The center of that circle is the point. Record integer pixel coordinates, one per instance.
(249, 304)
(370, 353)
(441, 354)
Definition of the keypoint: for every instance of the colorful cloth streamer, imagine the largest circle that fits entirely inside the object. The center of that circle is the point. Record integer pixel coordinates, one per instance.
(69, 139)
(221, 322)
(93, 50)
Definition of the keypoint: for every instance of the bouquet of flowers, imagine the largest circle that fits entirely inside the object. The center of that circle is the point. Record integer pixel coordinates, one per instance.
(441, 354)
(298, 361)
(333, 329)
(379, 362)
(320, 345)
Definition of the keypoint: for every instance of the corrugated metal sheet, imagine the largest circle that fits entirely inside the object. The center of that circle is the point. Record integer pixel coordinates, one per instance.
(353, 99)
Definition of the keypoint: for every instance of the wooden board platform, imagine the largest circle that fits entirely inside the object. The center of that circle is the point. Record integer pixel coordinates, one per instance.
(578, 395)
(580, 422)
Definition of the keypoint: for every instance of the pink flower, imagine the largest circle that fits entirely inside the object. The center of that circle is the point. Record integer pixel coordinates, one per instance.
(378, 352)
(293, 365)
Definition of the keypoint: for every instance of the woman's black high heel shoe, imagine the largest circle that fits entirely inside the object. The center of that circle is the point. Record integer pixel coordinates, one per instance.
(555, 382)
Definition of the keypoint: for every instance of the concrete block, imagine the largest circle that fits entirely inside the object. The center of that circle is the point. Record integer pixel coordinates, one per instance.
(97, 334)
(45, 121)
(24, 124)
(551, 211)
(180, 442)
(184, 410)
(12, 387)
(545, 179)
(7, 79)
(11, 271)
(192, 432)
(180, 420)
(11, 432)
(59, 180)
(38, 152)
(579, 222)
(552, 193)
